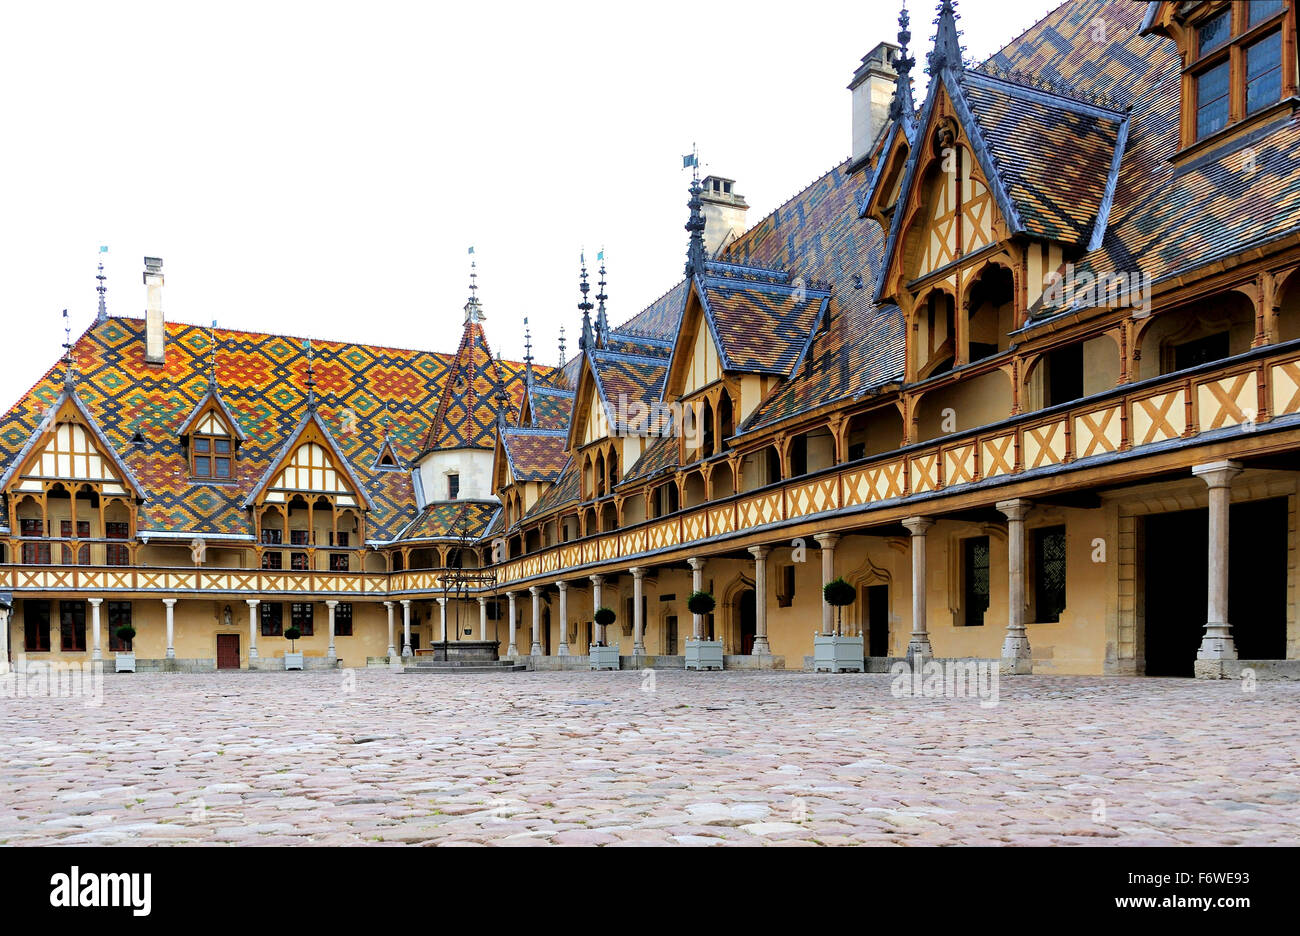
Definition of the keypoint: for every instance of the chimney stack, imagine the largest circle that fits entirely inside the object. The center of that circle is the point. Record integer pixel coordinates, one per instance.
(873, 89)
(724, 213)
(155, 334)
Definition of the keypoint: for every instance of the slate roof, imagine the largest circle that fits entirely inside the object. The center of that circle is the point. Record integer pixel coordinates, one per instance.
(262, 380)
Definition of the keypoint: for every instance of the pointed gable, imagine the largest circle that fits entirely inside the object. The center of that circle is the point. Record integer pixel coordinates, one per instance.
(467, 411)
(68, 445)
(212, 417)
(310, 463)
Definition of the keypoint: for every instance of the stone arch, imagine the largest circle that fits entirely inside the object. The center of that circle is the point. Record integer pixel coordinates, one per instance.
(729, 627)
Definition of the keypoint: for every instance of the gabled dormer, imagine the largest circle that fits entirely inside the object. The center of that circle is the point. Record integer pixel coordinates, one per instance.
(310, 464)
(211, 438)
(1239, 65)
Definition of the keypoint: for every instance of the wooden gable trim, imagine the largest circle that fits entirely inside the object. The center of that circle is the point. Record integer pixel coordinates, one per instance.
(311, 431)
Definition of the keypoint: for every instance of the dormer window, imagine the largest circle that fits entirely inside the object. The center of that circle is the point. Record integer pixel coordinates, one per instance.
(1236, 63)
(212, 457)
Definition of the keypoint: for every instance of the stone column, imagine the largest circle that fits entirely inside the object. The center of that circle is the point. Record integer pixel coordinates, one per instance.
(482, 618)
(96, 648)
(563, 649)
(536, 592)
(638, 618)
(406, 627)
(171, 627)
(252, 626)
(596, 582)
(761, 645)
(919, 645)
(442, 617)
(392, 649)
(1016, 658)
(4, 640)
(331, 605)
(512, 650)
(827, 542)
(1217, 644)
(697, 584)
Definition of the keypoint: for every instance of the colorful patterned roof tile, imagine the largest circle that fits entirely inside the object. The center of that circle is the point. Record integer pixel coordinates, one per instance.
(563, 491)
(467, 412)
(451, 520)
(549, 407)
(535, 454)
(760, 326)
(262, 380)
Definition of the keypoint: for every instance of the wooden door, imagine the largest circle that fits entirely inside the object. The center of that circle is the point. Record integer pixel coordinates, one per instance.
(227, 651)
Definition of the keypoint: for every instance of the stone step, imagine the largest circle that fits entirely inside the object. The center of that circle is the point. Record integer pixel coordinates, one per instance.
(446, 664)
(505, 666)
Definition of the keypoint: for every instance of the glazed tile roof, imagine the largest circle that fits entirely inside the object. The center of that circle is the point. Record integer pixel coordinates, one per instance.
(761, 326)
(467, 411)
(1054, 154)
(563, 491)
(550, 407)
(535, 454)
(663, 454)
(262, 381)
(451, 520)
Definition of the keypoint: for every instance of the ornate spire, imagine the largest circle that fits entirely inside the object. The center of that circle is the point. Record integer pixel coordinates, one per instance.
(311, 377)
(528, 354)
(947, 43)
(585, 342)
(602, 324)
(473, 310)
(563, 359)
(101, 288)
(69, 376)
(212, 356)
(695, 226)
(902, 104)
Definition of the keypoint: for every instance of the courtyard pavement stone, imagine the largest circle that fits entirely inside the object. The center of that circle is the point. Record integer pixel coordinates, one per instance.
(705, 759)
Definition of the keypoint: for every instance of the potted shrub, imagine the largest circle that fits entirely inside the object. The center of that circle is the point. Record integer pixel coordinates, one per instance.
(602, 656)
(292, 660)
(125, 660)
(700, 653)
(833, 652)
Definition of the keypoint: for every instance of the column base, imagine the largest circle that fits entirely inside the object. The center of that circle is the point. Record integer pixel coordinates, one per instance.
(563, 651)
(535, 650)
(171, 653)
(1217, 644)
(919, 646)
(1217, 668)
(512, 651)
(252, 653)
(1016, 666)
(392, 651)
(761, 647)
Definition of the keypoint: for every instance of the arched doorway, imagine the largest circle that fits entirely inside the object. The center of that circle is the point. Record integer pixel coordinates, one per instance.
(747, 620)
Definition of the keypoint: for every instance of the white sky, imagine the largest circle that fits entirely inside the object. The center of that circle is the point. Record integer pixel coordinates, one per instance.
(321, 169)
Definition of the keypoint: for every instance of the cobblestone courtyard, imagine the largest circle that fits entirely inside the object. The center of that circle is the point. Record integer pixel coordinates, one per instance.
(598, 759)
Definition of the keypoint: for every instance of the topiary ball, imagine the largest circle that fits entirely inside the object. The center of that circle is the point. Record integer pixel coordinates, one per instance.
(701, 602)
(839, 593)
(604, 616)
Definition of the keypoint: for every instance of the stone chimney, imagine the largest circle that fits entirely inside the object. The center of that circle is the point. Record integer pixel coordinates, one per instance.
(724, 213)
(873, 89)
(155, 333)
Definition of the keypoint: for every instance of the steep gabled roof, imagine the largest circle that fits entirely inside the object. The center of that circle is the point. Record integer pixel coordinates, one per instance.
(467, 411)
(212, 400)
(309, 429)
(549, 407)
(534, 454)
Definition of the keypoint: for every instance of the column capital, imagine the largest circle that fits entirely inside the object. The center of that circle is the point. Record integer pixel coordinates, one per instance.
(389, 604)
(406, 602)
(252, 602)
(696, 564)
(331, 603)
(918, 525)
(1014, 509)
(597, 579)
(443, 602)
(638, 572)
(482, 600)
(170, 602)
(760, 552)
(94, 602)
(511, 596)
(827, 540)
(562, 586)
(534, 590)
(1217, 474)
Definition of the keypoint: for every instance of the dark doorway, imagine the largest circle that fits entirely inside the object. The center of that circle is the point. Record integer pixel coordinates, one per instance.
(877, 620)
(748, 620)
(1176, 582)
(227, 651)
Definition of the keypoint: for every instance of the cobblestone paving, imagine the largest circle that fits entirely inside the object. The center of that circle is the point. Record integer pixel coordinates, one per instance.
(596, 759)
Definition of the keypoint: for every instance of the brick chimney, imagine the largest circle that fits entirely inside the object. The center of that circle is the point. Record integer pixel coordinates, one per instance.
(724, 213)
(155, 332)
(873, 89)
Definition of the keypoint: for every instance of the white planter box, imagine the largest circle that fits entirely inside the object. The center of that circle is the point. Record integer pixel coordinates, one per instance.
(293, 661)
(703, 654)
(125, 663)
(603, 658)
(838, 655)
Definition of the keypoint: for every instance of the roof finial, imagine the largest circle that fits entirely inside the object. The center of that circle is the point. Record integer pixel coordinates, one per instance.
(602, 323)
(901, 105)
(528, 354)
(68, 378)
(695, 225)
(101, 288)
(212, 356)
(563, 360)
(947, 46)
(585, 342)
(473, 310)
(311, 377)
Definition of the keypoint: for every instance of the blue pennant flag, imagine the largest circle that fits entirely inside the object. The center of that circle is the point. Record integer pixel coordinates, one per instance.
(103, 249)
(601, 255)
(471, 250)
(690, 160)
